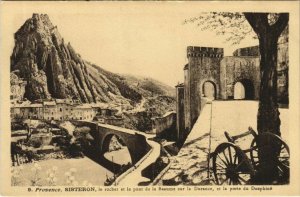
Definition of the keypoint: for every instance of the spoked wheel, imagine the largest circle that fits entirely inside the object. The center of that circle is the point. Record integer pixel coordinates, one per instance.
(254, 154)
(283, 152)
(231, 165)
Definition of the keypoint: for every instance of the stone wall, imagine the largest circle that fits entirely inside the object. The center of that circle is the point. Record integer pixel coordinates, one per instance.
(240, 69)
(165, 122)
(187, 117)
(180, 129)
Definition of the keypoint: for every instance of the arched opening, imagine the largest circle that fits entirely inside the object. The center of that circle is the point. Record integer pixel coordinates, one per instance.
(115, 150)
(239, 91)
(244, 89)
(209, 90)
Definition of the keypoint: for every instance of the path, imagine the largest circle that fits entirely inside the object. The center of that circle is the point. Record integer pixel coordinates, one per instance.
(139, 107)
(135, 177)
(190, 165)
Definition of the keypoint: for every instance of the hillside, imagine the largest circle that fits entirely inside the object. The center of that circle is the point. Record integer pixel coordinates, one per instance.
(53, 69)
(149, 86)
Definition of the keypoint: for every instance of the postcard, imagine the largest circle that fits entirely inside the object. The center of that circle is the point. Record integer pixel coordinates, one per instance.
(149, 98)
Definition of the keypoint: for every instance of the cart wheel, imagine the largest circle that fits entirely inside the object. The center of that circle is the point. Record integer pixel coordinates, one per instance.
(231, 165)
(254, 153)
(283, 162)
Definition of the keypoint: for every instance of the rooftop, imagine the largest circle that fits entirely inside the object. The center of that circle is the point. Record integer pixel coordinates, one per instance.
(49, 103)
(36, 105)
(180, 85)
(186, 67)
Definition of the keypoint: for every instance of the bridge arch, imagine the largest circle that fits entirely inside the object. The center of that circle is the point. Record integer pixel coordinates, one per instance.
(106, 142)
(105, 147)
(136, 142)
(244, 89)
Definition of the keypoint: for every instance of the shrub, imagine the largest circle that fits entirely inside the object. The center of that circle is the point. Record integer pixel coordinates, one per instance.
(34, 142)
(17, 126)
(62, 141)
(81, 131)
(83, 138)
(75, 150)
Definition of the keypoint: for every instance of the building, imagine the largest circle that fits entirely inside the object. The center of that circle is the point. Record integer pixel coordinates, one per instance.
(19, 110)
(117, 121)
(17, 87)
(209, 74)
(180, 110)
(50, 110)
(61, 109)
(65, 109)
(108, 115)
(83, 112)
(36, 111)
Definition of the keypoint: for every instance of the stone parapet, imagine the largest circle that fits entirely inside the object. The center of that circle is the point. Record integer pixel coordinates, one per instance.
(193, 51)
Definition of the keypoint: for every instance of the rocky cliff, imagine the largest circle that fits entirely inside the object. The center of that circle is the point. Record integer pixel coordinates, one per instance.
(53, 69)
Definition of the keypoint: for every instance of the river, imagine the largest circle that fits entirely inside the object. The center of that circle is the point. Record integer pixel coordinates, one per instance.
(85, 172)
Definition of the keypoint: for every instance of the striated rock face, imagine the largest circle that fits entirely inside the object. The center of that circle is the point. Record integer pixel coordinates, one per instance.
(52, 68)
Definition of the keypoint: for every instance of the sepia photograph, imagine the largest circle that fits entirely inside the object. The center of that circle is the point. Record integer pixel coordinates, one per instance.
(149, 96)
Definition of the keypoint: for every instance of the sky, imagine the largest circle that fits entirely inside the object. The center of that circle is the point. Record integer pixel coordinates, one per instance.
(144, 39)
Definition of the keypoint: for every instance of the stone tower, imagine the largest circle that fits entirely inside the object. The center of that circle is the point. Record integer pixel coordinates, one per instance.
(203, 66)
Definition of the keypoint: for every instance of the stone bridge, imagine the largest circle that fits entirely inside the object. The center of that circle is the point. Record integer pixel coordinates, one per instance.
(102, 135)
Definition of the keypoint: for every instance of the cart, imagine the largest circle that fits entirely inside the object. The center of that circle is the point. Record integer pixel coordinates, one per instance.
(233, 166)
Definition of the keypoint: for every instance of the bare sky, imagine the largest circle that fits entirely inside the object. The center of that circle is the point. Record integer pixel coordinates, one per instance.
(140, 39)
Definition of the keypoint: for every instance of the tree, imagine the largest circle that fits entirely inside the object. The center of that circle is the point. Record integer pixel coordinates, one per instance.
(267, 28)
